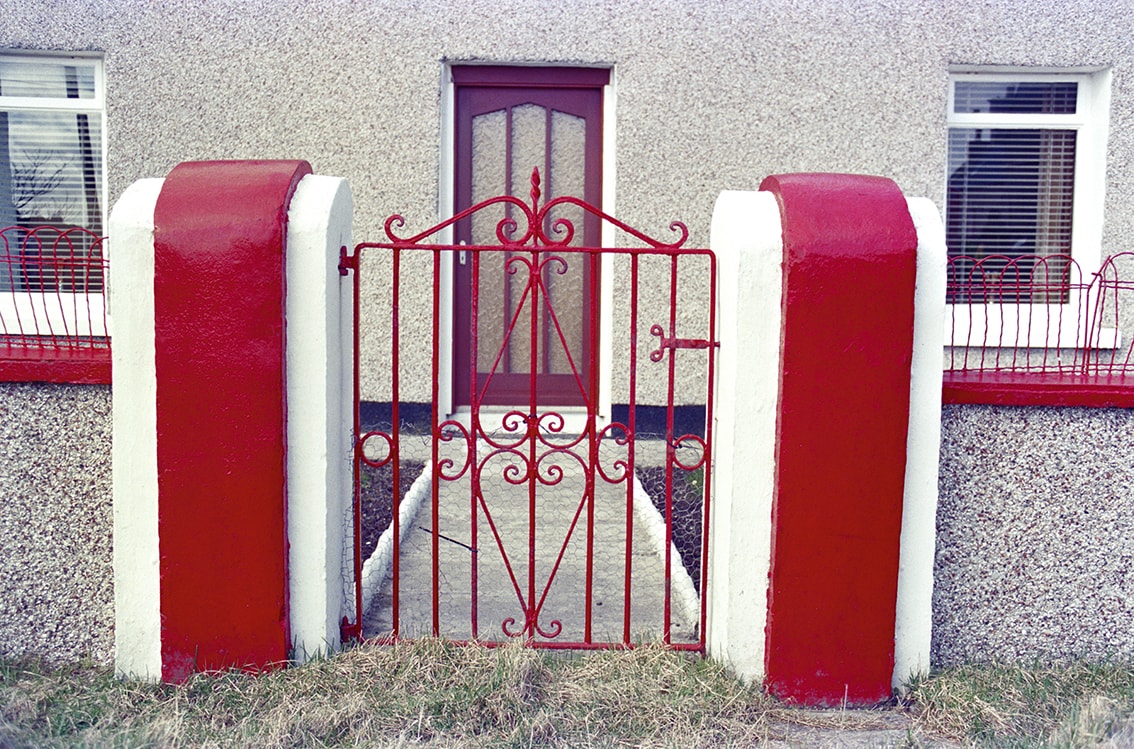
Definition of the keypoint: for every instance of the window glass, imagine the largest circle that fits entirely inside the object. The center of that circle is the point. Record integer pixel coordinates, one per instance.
(55, 165)
(1015, 97)
(47, 79)
(51, 175)
(1011, 189)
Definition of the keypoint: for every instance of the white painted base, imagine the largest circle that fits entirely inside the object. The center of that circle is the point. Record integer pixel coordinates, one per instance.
(137, 589)
(318, 411)
(746, 235)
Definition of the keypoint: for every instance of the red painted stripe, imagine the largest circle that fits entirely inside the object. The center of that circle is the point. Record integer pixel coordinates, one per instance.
(219, 356)
(847, 338)
(1035, 389)
(35, 364)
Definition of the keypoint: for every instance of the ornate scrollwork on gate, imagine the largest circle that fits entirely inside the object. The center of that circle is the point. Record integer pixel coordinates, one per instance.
(535, 216)
(525, 455)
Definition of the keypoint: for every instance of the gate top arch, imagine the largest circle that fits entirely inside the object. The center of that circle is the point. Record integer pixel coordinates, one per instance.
(535, 227)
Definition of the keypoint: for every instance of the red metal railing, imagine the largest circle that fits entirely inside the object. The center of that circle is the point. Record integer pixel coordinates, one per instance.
(52, 306)
(1040, 316)
(541, 505)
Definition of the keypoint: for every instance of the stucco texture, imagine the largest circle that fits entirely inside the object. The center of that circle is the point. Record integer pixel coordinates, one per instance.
(56, 566)
(1035, 535)
(709, 95)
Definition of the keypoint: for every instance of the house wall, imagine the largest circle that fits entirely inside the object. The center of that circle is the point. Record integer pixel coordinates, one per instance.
(709, 96)
(1035, 535)
(56, 566)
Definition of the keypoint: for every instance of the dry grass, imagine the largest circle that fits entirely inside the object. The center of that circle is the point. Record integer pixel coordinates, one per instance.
(415, 693)
(429, 693)
(1073, 705)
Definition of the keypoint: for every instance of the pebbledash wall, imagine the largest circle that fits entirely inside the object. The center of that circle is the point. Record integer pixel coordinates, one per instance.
(56, 567)
(1034, 522)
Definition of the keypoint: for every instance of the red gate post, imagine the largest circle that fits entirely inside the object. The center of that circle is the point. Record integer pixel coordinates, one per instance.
(830, 513)
(205, 444)
(225, 554)
(220, 362)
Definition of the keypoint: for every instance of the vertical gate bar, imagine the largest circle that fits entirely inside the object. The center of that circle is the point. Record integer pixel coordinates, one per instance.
(474, 565)
(356, 469)
(395, 396)
(669, 451)
(707, 469)
(434, 431)
(591, 400)
(474, 422)
(533, 429)
(473, 558)
(547, 275)
(631, 418)
(506, 313)
(546, 278)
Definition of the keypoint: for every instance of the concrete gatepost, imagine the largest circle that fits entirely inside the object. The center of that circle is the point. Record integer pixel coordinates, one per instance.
(231, 442)
(829, 399)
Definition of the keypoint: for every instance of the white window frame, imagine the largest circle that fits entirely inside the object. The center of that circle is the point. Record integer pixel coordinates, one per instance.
(62, 312)
(1048, 325)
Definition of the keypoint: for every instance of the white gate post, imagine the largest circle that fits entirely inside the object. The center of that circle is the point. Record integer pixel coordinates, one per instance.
(318, 410)
(746, 238)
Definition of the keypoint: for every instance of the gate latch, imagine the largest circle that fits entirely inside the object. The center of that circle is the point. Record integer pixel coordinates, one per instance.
(676, 343)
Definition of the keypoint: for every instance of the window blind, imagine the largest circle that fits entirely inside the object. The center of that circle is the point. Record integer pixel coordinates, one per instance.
(1010, 194)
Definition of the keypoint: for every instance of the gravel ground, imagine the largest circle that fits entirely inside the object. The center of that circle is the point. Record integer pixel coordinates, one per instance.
(377, 499)
(688, 501)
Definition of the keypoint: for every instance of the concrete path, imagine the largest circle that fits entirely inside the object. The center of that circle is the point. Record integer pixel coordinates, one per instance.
(501, 540)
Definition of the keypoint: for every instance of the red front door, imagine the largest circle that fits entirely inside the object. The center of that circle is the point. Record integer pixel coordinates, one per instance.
(532, 314)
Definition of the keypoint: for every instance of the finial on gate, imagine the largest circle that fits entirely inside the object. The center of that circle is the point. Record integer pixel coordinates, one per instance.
(535, 189)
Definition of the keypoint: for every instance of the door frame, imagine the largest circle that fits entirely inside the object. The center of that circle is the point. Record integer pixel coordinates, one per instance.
(446, 201)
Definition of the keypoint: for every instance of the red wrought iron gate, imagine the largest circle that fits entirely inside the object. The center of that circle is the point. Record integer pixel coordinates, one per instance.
(582, 523)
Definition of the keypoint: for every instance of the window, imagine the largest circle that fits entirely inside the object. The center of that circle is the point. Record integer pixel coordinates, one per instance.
(52, 208)
(1023, 210)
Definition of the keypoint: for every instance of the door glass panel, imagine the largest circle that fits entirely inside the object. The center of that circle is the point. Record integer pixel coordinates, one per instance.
(566, 177)
(489, 179)
(528, 149)
(505, 298)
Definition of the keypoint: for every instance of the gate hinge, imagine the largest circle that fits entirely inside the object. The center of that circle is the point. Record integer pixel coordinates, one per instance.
(676, 343)
(349, 633)
(347, 262)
